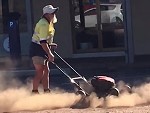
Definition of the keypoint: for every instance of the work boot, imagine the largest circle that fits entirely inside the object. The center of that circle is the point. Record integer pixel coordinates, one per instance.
(47, 90)
(35, 92)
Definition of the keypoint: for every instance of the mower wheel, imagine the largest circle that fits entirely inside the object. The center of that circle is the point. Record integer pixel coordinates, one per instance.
(126, 88)
(114, 92)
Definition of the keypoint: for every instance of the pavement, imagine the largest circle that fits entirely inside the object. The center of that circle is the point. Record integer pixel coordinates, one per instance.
(135, 73)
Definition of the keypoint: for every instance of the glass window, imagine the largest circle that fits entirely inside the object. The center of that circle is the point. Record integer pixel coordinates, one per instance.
(21, 9)
(90, 12)
(9, 6)
(1, 17)
(99, 29)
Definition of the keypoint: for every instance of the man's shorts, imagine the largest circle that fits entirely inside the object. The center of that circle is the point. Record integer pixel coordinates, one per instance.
(39, 60)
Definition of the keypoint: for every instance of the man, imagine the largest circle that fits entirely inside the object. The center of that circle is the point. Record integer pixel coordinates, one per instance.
(40, 49)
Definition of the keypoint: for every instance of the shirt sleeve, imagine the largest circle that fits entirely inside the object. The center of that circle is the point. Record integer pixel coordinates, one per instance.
(43, 32)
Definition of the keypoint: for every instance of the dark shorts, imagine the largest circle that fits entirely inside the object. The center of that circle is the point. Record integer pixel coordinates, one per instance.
(36, 50)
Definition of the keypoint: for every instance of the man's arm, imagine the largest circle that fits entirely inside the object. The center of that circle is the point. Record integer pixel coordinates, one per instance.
(48, 51)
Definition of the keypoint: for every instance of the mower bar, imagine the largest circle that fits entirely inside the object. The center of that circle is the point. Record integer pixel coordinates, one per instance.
(71, 67)
(77, 78)
(71, 79)
(62, 71)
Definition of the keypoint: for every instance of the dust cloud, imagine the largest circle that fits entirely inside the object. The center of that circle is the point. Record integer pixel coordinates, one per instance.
(140, 95)
(16, 96)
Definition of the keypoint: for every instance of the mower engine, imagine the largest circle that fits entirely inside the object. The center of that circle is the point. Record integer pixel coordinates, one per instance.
(104, 86)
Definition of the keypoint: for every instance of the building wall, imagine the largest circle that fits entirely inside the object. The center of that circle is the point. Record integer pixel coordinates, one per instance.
(141, 26)
(63, 35)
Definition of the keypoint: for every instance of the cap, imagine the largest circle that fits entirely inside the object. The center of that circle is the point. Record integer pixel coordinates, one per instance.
(49, 9)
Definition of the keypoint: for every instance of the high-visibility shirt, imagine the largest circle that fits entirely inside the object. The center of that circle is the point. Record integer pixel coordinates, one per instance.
(43, 31)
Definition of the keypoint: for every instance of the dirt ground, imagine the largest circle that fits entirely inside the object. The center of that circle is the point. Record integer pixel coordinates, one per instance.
(137, 109)
(16, 99)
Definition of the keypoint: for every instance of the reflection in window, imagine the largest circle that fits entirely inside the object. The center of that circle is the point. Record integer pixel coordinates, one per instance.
(8, 6)
(91, 11)
(21, 8)
(104, 34)
(0, 17)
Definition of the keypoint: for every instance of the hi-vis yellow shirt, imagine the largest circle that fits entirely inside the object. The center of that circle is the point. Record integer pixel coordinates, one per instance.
(43, 31)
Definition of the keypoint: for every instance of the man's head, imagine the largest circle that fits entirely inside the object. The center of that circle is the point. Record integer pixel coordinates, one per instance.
(49, 12)
(49, 9)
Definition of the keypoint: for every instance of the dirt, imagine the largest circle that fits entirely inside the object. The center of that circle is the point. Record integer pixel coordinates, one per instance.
(18, 99)
(137, 109)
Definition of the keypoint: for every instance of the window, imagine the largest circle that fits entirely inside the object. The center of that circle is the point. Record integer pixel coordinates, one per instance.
(1, 17)
(21, 9)
(90, 12)
(9, 6)
(99, 29)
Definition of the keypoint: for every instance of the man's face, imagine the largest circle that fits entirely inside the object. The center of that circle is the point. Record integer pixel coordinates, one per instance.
(51, 17)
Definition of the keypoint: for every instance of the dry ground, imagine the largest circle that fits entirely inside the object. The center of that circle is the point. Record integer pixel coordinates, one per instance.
(16, 99)
(137, 109)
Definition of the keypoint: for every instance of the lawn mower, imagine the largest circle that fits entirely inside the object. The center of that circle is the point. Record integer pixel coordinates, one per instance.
(102, 85)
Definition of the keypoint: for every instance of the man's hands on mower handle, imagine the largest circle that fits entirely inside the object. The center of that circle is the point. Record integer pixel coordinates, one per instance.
(53, 46)
(51, 56)
(48, 48)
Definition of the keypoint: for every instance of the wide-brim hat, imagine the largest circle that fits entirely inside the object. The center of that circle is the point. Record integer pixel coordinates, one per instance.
(50, 9)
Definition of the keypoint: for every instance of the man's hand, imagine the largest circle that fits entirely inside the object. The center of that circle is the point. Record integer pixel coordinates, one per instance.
(48, 51)
(51, 57)
(53, 45)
